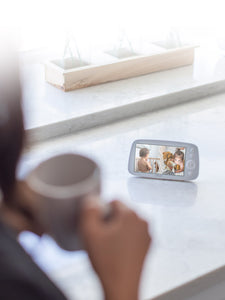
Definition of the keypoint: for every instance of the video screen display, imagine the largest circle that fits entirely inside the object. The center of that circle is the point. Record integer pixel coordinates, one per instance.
(158, 159)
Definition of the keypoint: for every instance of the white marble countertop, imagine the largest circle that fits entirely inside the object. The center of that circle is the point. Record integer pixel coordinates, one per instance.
(50, 112)
(187, 219)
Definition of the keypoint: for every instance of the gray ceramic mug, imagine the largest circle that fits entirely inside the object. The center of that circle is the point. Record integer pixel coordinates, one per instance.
(62, 184)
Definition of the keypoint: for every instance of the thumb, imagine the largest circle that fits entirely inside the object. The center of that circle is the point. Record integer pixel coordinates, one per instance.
(118, 208)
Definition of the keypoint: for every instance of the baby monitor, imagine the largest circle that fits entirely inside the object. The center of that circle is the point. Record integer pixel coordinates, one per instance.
(164, 160)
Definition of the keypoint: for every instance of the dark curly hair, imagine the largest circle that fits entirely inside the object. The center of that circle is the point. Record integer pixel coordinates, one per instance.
(11, 124)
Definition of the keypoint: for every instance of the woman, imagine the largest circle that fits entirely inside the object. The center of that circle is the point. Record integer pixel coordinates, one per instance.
(116, 248)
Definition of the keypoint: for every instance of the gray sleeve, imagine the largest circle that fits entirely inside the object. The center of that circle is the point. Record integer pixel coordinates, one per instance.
(19, 289)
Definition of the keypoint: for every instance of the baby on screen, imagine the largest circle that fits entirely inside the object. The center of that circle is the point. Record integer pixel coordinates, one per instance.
(143, 164)
(179, 161)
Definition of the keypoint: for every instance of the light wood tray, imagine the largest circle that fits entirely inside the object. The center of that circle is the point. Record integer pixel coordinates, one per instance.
(85, 74)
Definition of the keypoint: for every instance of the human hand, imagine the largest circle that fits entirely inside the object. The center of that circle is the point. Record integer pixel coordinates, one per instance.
(20, 211)
(116, 247)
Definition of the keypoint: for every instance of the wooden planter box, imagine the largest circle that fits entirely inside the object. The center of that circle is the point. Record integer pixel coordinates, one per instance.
(70, 74)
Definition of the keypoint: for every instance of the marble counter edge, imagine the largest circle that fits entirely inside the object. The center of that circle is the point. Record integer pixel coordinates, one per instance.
(141, 106)
(207, 286)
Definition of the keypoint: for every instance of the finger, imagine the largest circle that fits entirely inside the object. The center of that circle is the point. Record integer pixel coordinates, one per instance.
(120, 210)
(118, 207)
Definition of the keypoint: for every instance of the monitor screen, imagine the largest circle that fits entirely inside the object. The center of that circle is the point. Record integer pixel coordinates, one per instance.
(159, 159)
